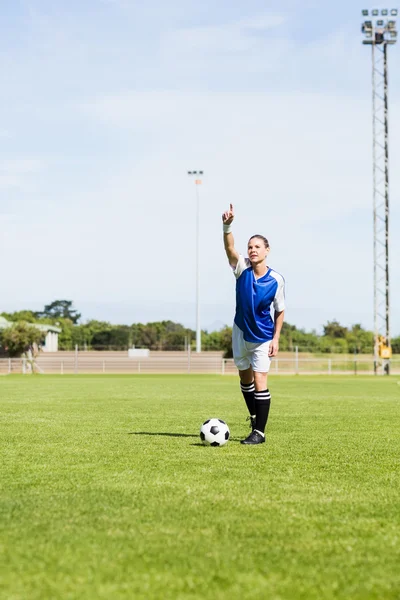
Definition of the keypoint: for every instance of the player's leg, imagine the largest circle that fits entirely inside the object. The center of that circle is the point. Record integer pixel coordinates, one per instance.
(262, 397)
(248, 389)
(242, 362)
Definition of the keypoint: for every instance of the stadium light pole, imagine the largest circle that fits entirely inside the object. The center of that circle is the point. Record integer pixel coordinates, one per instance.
(380, 30)
(197, 181)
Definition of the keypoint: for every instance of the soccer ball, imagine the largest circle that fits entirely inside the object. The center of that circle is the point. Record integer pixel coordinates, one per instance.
(214, 432)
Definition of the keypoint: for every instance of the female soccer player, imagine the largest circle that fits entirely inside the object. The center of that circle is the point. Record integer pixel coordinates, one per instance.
(255, 335)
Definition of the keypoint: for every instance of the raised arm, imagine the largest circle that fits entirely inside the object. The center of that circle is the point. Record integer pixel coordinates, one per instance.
(229, 243)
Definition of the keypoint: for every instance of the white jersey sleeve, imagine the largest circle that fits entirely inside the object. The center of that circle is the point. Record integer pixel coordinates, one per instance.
(279, 300)
(242, 264)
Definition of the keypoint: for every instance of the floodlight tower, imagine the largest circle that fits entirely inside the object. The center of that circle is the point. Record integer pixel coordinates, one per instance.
(197, 181)
(380, 31)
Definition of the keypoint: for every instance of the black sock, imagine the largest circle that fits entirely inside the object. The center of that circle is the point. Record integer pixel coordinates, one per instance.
(248, 390)
(263, 402)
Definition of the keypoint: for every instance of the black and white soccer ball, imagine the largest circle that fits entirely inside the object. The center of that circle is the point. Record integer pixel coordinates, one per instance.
(214, 432)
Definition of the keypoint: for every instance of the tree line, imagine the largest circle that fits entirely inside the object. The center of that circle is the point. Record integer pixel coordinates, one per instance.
(168, 335)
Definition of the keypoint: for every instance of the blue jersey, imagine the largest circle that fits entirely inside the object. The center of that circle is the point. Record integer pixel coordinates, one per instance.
(254, 298)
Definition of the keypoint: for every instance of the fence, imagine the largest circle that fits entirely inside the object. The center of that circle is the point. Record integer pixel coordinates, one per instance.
(64, 363)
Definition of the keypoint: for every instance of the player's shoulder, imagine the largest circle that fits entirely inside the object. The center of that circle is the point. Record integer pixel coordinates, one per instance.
(244, 261)
(279, 278)
(243, 264)
(247, 263)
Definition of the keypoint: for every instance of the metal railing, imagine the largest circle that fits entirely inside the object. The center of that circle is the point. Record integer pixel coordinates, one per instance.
(181, 363)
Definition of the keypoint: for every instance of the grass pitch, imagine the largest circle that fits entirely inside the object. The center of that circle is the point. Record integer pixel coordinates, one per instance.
(106, 492)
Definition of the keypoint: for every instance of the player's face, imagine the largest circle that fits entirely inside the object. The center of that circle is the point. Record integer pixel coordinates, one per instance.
(257, 250)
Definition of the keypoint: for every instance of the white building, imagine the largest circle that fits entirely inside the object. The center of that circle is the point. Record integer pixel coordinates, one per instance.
(51, 334)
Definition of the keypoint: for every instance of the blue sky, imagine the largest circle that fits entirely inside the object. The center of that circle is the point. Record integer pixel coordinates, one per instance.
(106, 104)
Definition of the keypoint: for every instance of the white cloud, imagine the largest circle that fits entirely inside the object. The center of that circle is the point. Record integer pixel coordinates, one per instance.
(262, 22)
(21, 165)
(220, 52)
(306, 146)
(230, 38)
(16, 172)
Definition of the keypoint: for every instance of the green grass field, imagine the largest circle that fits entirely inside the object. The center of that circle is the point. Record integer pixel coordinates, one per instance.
(106, 492)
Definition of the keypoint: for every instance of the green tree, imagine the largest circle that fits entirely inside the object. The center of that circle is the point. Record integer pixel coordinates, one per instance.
(89, 332)
(116, 337)
(147, 336)
(28, 316)
(333, 345)
(395, 342)
(173, 336)
(60, 308)
(66, 336)
(175, 340)
(291, 337)
(333, 329)
(20, 338)
(219, 340)
(359, 340)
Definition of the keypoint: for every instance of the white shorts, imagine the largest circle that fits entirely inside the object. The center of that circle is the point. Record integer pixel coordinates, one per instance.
(246, 354)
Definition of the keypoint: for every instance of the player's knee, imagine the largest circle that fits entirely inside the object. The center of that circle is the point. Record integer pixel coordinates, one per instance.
(246, 375)
(260, 380)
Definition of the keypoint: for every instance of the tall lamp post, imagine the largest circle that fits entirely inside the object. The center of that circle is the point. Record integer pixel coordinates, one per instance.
(380, 30)
(197, 175)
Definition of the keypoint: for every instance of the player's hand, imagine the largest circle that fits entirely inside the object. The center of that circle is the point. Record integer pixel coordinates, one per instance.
(228, 215)
(273, 348)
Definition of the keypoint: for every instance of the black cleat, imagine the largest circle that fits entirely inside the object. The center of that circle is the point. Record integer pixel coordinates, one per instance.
(254, 438)
(252, 422)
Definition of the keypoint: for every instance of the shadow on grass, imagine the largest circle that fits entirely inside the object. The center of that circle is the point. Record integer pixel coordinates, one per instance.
(179, 435)
(185, 435)
(234, 440)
